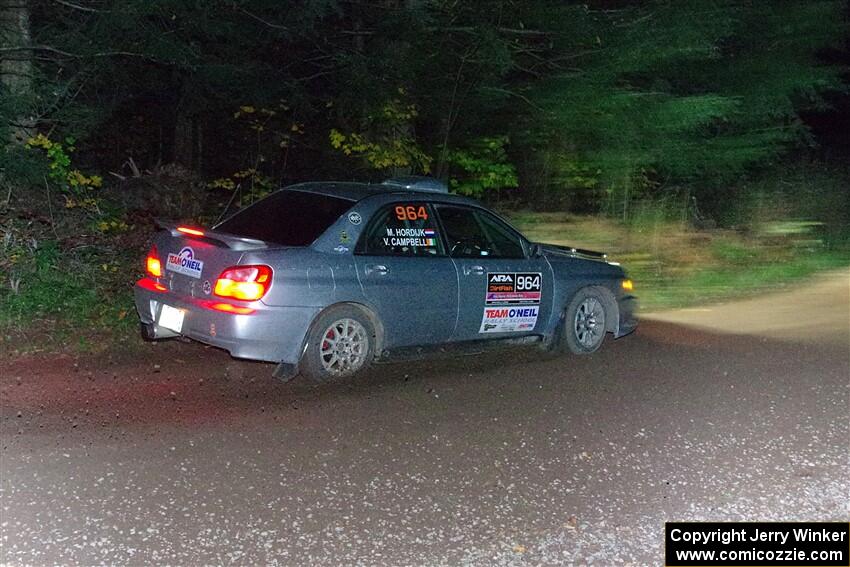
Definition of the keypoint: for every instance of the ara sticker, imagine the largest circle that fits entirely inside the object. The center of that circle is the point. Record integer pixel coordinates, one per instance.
(513, 288)
(185, 263)
(355, 218)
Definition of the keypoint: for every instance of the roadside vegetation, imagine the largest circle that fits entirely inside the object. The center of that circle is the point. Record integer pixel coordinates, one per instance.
(676, 265)
(710, 160)
(793, 223)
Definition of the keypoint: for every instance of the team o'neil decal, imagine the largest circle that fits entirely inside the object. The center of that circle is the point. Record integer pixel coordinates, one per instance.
(512, 302)
(509, 318)
(185, 263)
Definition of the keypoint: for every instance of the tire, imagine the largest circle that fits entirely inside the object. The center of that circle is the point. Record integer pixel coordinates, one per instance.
(585, 322)
(341, 344)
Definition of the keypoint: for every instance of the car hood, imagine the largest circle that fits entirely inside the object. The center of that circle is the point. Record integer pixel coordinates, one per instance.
(555, 251)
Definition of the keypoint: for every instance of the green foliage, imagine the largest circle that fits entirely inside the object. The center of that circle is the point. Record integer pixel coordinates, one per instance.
(816, 195)
(268, 135)
(611, 102)
(484, 166)
(674, 266)
(385, 154)
(44, 283)
(59, 165)
(387, 144)
(733, 253)
(689, 90)
(21, 167)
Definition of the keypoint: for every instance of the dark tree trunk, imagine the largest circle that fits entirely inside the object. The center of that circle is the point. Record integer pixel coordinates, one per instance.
(188, 140)
(16, 69)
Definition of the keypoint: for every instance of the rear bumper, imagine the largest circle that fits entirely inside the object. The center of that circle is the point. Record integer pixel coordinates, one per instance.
(272, 334)
(627, 306)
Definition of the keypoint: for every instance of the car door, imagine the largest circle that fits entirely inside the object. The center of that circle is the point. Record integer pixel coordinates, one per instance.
(407, 276)
(502, 291)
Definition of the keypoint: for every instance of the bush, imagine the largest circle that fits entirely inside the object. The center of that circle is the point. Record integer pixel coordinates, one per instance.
(52, 290)
(811, 197)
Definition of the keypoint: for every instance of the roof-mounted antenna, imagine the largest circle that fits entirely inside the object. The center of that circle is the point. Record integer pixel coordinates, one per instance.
(418, 183)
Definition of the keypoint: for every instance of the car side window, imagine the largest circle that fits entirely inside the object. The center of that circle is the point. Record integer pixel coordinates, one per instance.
(471, 233)
(505, 242)
(402, 229)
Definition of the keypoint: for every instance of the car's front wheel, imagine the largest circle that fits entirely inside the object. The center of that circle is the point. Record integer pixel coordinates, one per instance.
(341, 344)
(585, 322)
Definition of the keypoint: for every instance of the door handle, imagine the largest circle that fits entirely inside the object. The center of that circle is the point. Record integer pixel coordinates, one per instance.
(376, 268)
(477, 270)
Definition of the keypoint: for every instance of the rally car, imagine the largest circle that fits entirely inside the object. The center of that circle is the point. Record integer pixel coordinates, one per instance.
(323, 278)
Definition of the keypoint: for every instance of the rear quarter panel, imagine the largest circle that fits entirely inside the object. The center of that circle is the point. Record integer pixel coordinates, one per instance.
(305, 282)
(304, 277)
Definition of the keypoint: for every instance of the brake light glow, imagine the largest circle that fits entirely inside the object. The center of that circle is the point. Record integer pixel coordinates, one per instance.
(152, 264)
(190, 231)
(228, 308)
(150, 285)
(248, 283)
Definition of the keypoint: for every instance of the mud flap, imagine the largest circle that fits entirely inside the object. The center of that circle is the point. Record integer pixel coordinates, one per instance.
(285, 371)
(552, 343)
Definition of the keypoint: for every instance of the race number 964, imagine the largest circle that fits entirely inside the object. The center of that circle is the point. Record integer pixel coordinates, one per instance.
(411, 213)
(528, 282)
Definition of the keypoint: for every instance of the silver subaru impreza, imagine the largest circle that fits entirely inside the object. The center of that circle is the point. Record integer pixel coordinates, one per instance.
(323, 278)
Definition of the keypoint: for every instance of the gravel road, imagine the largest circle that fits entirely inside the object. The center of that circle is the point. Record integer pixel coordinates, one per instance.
(183, 456)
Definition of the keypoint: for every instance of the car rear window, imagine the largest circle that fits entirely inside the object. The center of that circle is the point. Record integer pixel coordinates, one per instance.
(288, 218)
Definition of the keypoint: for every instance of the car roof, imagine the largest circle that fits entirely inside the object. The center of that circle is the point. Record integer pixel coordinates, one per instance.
(359, 191)
(344, 190)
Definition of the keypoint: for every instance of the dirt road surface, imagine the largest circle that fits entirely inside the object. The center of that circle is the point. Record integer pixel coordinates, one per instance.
(183, 456)
(815, 312)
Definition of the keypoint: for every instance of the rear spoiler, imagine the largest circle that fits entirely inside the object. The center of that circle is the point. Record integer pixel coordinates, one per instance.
(221, 239)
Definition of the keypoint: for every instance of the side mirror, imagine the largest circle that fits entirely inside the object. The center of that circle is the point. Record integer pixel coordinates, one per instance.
(535, 250)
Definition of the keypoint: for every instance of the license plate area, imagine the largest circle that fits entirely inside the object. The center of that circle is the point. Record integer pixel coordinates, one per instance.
(171, 318)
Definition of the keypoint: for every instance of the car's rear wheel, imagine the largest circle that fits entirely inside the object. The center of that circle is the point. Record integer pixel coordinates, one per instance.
(585, 322)
(341, 344)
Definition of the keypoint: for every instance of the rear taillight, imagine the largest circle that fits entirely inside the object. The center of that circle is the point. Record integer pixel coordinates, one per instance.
(248, 283)
(152, 264)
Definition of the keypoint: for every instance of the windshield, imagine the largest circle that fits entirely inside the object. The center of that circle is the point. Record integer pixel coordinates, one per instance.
(288, 218)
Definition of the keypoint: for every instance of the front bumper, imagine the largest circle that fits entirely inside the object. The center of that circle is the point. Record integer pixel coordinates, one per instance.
(272, 334)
